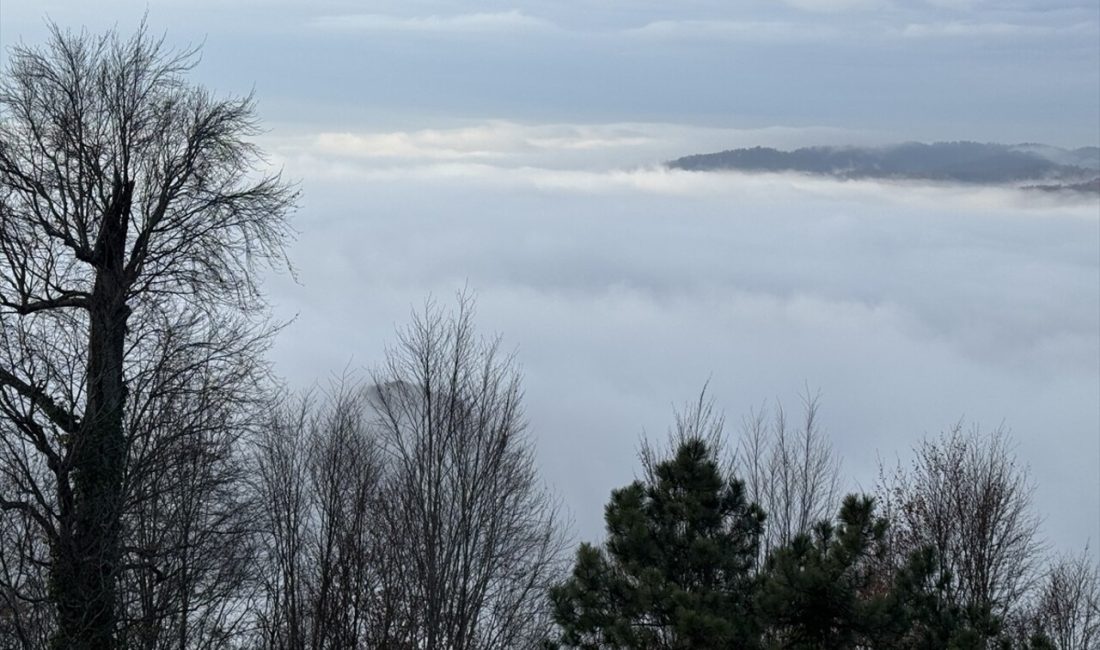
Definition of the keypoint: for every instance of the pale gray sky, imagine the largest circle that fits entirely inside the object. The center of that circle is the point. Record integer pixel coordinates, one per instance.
(514, 148)
(1008, 71)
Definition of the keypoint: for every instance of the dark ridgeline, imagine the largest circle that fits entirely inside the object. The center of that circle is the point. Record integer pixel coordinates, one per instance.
(963, 162)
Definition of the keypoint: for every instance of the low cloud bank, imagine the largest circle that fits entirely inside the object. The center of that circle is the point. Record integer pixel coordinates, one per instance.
(910, 305)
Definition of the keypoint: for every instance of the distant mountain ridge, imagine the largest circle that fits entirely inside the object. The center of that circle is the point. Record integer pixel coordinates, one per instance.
(1042, 166)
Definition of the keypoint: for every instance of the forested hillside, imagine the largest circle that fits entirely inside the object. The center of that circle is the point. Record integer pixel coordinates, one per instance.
(963, 162)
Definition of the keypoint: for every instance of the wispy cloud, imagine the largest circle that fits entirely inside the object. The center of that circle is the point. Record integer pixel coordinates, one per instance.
(795, 31)
(514, 144)
(663, 183)
(1038, 6)
(994, 30)
(834, 5)
(768, 31)
(505, 21)
(484, 141)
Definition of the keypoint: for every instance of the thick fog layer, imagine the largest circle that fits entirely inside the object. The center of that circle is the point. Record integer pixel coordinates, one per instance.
(624, 289)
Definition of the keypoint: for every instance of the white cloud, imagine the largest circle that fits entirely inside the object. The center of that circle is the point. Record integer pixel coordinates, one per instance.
(835, 5)
(1037, 6)
(487, 140)
(788, 31)
(753, 31)
(570, 146)
(626, 158)
(506, 21)
(625, 287)
(660, 181)
(993, 30)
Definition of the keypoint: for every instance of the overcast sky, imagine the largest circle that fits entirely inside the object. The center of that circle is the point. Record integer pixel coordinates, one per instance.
(1006, 70)
(514, 148)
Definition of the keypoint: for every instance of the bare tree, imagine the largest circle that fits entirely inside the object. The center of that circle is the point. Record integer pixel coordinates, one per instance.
(188, 518)
(1068, 607)
(282, 484)
(790, 471)
(965, 497)
(318, 482)
(407, 514)
(125, 193)
(472, 538)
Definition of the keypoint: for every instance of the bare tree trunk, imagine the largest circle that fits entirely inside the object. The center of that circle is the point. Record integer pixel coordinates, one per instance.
(88, 560)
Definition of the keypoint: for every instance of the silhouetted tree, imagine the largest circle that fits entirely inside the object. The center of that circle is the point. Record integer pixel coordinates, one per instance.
(472, 540)
(318, 478)
(130, 206)
(933, 619)
(187, 518)
(408, 514)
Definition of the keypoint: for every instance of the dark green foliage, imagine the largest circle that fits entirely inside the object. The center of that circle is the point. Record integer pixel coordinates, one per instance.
(677, 569)
(833, 590)
(934, 620)
(821, 590)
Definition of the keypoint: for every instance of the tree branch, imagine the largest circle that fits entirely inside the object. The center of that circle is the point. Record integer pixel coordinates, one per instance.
(62, 418)
(25, 307)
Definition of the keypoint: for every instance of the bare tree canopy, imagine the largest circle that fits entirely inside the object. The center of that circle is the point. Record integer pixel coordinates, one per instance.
(476, 537)
(966, 497)
(408, 514)
(318, 482)
(1068, 607)
(133, 213)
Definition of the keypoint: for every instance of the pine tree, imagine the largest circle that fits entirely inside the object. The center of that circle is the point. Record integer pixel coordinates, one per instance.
(677, 570)
(820, 590)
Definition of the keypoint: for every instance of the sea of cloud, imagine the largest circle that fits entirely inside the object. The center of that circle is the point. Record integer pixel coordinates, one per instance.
(623, 287)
